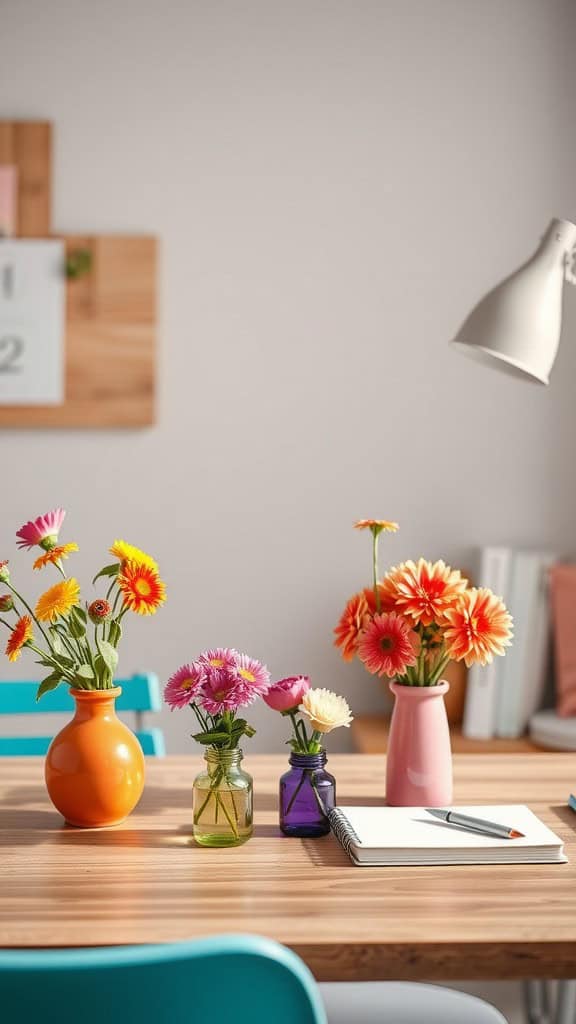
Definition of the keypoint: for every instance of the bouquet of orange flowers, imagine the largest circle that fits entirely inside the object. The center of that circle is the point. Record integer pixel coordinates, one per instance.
(57, 628)
(418, 617)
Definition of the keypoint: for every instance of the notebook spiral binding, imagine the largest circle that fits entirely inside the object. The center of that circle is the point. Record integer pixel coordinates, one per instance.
(342, 829)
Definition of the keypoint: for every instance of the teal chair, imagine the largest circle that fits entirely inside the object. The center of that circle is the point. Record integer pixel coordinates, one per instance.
(226, 979)
(140, 693)
(241, 979)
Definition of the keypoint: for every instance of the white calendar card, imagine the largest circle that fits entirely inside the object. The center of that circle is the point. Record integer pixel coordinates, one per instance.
(32, 322)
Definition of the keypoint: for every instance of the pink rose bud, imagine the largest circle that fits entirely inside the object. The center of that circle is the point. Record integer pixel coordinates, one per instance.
(287, 694)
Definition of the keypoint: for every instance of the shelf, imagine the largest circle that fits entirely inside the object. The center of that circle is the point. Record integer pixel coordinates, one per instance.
(370, 736)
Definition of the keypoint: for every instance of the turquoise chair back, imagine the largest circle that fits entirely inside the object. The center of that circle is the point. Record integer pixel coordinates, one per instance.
(140, 693)
(237, 979)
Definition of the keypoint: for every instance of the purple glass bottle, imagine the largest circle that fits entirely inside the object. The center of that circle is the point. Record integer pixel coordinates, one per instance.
(307, 792)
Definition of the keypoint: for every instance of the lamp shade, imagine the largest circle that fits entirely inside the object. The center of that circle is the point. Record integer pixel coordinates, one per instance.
(517, 325)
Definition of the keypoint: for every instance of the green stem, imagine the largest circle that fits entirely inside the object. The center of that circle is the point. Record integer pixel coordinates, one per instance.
(66, 674)
(375, 536)
(228, 818)
(303, 777)
(438, 669)
(26, 605)
(301, 741)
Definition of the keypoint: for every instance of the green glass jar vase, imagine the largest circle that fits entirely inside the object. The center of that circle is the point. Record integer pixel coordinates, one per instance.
(222, 802)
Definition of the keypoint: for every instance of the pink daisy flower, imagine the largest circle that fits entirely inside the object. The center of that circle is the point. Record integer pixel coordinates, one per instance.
(44, 528)
(219, 658)
(386, 645)
(223, 690)
(253, 674)
(184, 685)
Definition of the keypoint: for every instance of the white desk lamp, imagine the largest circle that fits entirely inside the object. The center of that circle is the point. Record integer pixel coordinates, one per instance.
(517, 325)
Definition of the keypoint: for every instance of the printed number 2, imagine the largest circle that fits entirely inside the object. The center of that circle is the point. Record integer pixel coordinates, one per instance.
(11, 349)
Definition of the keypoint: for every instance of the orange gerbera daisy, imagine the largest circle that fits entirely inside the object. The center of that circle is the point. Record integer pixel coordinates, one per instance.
(358, 612)
(53, 556)
(424, 590)
(376, 525)
(141, 587)
(478, 627)
(387, 647)
(20, 635)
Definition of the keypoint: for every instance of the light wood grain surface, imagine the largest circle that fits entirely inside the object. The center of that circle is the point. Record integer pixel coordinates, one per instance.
(145, 881)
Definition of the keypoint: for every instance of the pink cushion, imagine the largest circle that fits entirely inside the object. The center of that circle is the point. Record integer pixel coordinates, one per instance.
(563, 598)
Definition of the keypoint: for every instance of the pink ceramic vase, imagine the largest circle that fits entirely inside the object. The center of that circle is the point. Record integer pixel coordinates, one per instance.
(419, 758)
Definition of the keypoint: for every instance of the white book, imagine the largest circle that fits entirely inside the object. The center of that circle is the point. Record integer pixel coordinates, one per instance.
(523, 668)
(392, 836)
(482, 686)
(531, 694)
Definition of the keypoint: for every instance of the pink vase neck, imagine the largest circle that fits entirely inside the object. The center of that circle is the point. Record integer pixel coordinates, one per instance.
(420, 692)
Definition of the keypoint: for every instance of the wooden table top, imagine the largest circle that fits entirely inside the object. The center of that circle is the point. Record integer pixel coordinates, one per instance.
(145, 880)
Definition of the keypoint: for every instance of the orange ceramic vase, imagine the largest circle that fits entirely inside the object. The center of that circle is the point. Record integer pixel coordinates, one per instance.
(95, 767)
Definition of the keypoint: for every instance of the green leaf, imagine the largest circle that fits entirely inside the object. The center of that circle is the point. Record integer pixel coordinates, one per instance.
(57, 645)
(210, 737)
(108, 570)
(50, 683)
(45, 663)
(79, 614)
(115, 634)
(76, 627)
(84, 672)
(108, 654)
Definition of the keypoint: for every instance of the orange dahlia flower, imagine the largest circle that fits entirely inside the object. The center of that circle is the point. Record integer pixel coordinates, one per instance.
(142, 589)
(20, 635)
(477, 628)
(425, 591)
(357, 614)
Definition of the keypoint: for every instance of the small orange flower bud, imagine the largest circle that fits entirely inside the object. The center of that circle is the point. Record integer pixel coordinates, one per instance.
(6, 603)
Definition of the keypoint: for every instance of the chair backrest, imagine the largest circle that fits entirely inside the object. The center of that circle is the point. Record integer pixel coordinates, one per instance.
(241, 979)
(140, 693)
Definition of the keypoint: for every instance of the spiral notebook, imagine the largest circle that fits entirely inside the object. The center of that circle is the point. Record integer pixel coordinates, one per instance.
(389, 836)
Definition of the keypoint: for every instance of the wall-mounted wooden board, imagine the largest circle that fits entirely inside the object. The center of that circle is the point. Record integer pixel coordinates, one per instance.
(27, 145)
(110, 340)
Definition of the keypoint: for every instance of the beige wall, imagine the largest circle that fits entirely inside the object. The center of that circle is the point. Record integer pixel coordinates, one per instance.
(333, 184)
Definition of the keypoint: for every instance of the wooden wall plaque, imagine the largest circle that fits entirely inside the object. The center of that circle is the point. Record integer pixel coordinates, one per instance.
(110, 308)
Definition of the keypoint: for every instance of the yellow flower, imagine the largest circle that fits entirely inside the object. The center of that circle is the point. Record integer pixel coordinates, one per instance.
(376, 525)
(58, 600)
(128, 553)
(142, 589)
(53, 556)
(326, 710)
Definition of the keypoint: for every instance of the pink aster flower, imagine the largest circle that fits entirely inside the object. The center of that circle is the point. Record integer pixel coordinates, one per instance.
(219, 658)
(43, 530)
(287, 694)
(387, 645)
(184, 685)
(224, 690)
(252, 673)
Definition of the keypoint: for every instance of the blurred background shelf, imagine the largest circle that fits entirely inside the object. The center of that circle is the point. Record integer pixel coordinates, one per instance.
(370, 736)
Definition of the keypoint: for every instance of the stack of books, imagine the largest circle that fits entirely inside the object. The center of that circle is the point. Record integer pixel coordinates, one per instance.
(502, 697)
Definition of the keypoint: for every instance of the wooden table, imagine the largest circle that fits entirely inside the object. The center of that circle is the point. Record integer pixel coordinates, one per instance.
(145, 881)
